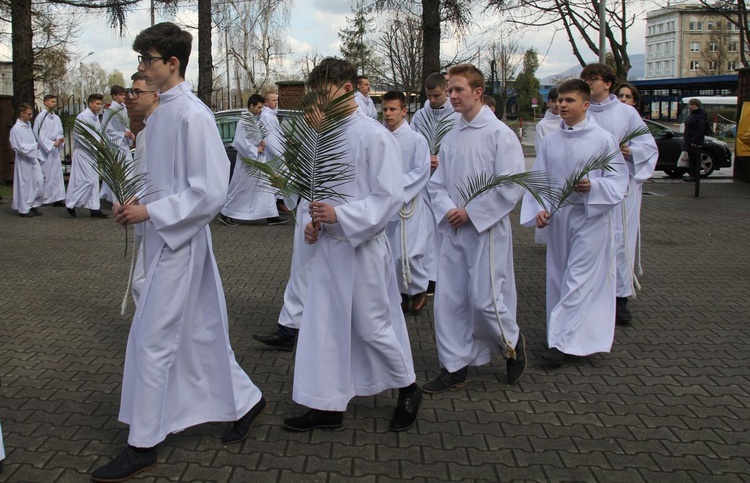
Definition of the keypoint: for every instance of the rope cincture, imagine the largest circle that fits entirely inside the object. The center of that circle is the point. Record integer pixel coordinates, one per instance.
(634, 283)
(404, 214)
(130, 278)
(510, 351)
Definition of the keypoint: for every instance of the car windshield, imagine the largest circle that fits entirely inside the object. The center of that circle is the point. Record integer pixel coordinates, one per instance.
(656, 128)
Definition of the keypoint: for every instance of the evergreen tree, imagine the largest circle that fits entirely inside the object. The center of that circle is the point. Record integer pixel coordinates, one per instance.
(527, 85)
(354, 46)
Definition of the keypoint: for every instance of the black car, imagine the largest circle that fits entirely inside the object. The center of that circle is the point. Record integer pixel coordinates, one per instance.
(715, 154)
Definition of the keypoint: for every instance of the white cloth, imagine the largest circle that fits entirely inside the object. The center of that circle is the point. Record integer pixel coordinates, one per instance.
(353, 339)
(28, 181)
(412, 225)
(2, 446)
(48, 129)
(116, 122)
(83, 185)
(475, 297)
(366, 104)
(618, 119)
(139, 272)
(275, 140)
(179, 367)
(299, 273)
(580, 257)
(248, 198)
(546, 125)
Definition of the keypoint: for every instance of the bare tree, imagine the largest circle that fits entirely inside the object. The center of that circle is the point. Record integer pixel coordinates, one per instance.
(504, 63)
(735, 12)
(715, 57)
(399, 46)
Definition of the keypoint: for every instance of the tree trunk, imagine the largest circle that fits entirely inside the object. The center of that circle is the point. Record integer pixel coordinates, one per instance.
(205, 60)
(23, 52)
(430, 40)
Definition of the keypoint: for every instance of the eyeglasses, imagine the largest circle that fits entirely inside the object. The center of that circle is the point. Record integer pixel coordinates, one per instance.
(135, 93)
(624, 96)
(147, 59)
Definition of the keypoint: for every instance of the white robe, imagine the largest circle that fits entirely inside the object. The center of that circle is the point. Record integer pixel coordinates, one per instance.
(299, 274)
(275, 139)
(475, 297)
(546, 125)
(248, 198)
(2, 446)
(139, 271)
(179, 367)
(83, 185)
(28, 181)
(353, 339)
(49, 129)
(408, 232)
(366, 104)
(117, 122)
(580, 246)
(618, 119)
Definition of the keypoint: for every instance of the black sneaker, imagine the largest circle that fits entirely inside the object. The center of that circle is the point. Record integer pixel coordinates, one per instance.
(557, 358)
(227, 221)
(622, 313)
(446, 381)
(128, 464)
(315, 419)
(238, 430)
(98, 214)
(72, 212)
(276, 221)
(36, 212)
(405, 416)
(514, 368)
(275, 341)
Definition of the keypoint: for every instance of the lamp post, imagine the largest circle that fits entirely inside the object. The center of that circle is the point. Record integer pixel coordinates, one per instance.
(80, 62)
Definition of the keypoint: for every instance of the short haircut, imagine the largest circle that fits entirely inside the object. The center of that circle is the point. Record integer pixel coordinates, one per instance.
(361, 78)
(168, 40)
(604, 71)
(552, 94)
(137, 76)
(332, 71)
(23, 107)
(488, 100)
(268, 95)
(472, 74)
(49, 96)
(94, 97)
(115, 90)
(395, 96)
(255, 99)
(575, 85)
(633, 89)
(435, 80)
(695, 102)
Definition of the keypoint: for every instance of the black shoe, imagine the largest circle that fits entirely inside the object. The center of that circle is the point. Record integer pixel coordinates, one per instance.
(315, 419)
(276, 221)
(72, 212)
(276, 341)
(409, 400)
(431, 288)
(227, 221)
(282, 207)
(58, 203)
(128, 464)
(36, 212)
(557, 358)
(98, 214)
(404, 303)
(622, 313)
(514, 368)
(238, 430)
(26, 215)
(446, 381)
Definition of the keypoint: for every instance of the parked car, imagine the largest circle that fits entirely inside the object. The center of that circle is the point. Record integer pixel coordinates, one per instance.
(714, 155)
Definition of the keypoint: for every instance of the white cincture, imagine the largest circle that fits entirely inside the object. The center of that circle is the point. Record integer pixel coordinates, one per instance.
(130, 277)
(510, 351)
(404, 214)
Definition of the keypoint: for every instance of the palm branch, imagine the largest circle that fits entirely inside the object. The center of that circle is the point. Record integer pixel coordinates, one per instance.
(632, 134)
(255, 131)
(601, 160)
(272, 176)
(434, 129)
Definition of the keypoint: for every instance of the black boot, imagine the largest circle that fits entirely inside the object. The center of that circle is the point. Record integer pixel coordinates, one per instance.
(409, 400)
(128, 464)
(622, 313)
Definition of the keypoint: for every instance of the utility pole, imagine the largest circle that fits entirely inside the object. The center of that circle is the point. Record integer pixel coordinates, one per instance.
(602, 31)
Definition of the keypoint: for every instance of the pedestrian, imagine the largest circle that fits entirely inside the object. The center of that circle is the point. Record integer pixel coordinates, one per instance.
(580, 281)
(117, 127)
(353, 339)
(274, 144)
(547, 124)
(628, 94)
(362, 96)
(180, 369)
(489, 101)
(28, 181)
(693, 136)
(49, 132)
(475, 297)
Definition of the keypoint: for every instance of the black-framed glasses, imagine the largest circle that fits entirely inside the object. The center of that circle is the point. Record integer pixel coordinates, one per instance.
(135, 93)
(147, 59)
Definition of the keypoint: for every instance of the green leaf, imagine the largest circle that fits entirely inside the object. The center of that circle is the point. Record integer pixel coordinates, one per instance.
(601, 160)
(535, 182)
(434, 128)
(630, 135)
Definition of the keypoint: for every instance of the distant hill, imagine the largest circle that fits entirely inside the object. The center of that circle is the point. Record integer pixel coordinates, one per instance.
(637, 70)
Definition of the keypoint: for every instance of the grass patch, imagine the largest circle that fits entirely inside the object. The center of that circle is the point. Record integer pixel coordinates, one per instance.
(6, 190)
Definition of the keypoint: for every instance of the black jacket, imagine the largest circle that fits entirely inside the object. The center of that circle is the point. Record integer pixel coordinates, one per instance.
(695, 126)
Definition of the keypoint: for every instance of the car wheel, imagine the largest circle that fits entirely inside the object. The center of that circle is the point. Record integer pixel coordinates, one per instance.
(708, 164)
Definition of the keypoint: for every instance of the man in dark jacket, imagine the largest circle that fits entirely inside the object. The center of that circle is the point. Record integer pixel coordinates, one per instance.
(692, 141)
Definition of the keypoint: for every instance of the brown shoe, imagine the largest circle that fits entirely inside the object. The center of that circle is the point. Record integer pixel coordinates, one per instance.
(418, 302)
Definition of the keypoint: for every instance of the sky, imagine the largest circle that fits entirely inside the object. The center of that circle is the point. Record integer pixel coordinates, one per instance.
(314, 26)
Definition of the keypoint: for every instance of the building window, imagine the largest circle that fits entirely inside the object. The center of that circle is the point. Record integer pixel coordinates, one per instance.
(661, 27)
(731, 65)
(710, 26)
(713, 47)
(650, 68)
(658, 49)
(699, 26)
(713, 65)
(732, 47)
(691, 26)
(694, 65)
(695, 46)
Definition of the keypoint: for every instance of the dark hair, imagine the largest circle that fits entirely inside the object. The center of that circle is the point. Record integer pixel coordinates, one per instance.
(435, 80)
(24, 107)
(255, 99)
(552, 94)
(575, 85)
(633, 89)
(168, 40)
(599, 70)
(488, 100)
(94, 97)
(115, 90)
(395, 96)
(137, 76)
(49, 96)
(361, 78)
(332, 71)
(695, 102)
(472, 74)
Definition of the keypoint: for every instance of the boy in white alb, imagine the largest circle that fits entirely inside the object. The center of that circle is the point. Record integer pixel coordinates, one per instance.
(49, 132)
(28, 181)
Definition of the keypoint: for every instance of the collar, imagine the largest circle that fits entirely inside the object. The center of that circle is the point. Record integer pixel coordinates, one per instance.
(482, 119)
(178, 90)
(575, 127)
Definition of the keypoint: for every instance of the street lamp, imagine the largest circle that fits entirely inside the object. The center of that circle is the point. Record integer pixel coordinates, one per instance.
(80, 62)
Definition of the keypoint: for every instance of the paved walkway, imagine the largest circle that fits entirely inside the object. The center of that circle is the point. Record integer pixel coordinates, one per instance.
(670, 403)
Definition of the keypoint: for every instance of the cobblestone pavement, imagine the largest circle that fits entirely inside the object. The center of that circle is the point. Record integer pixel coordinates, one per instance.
(670, 403)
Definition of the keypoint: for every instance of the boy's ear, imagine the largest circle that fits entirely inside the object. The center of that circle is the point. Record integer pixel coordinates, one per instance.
(586, 105)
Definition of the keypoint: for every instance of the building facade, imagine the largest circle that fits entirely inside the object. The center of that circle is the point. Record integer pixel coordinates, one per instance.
(687, 41)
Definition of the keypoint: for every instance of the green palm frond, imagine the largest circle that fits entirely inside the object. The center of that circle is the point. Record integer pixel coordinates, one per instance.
(255, 130)
(434, 129)
(630, 135)
(111, 113)
(601, 160)
(272, 175)
(535, 182)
